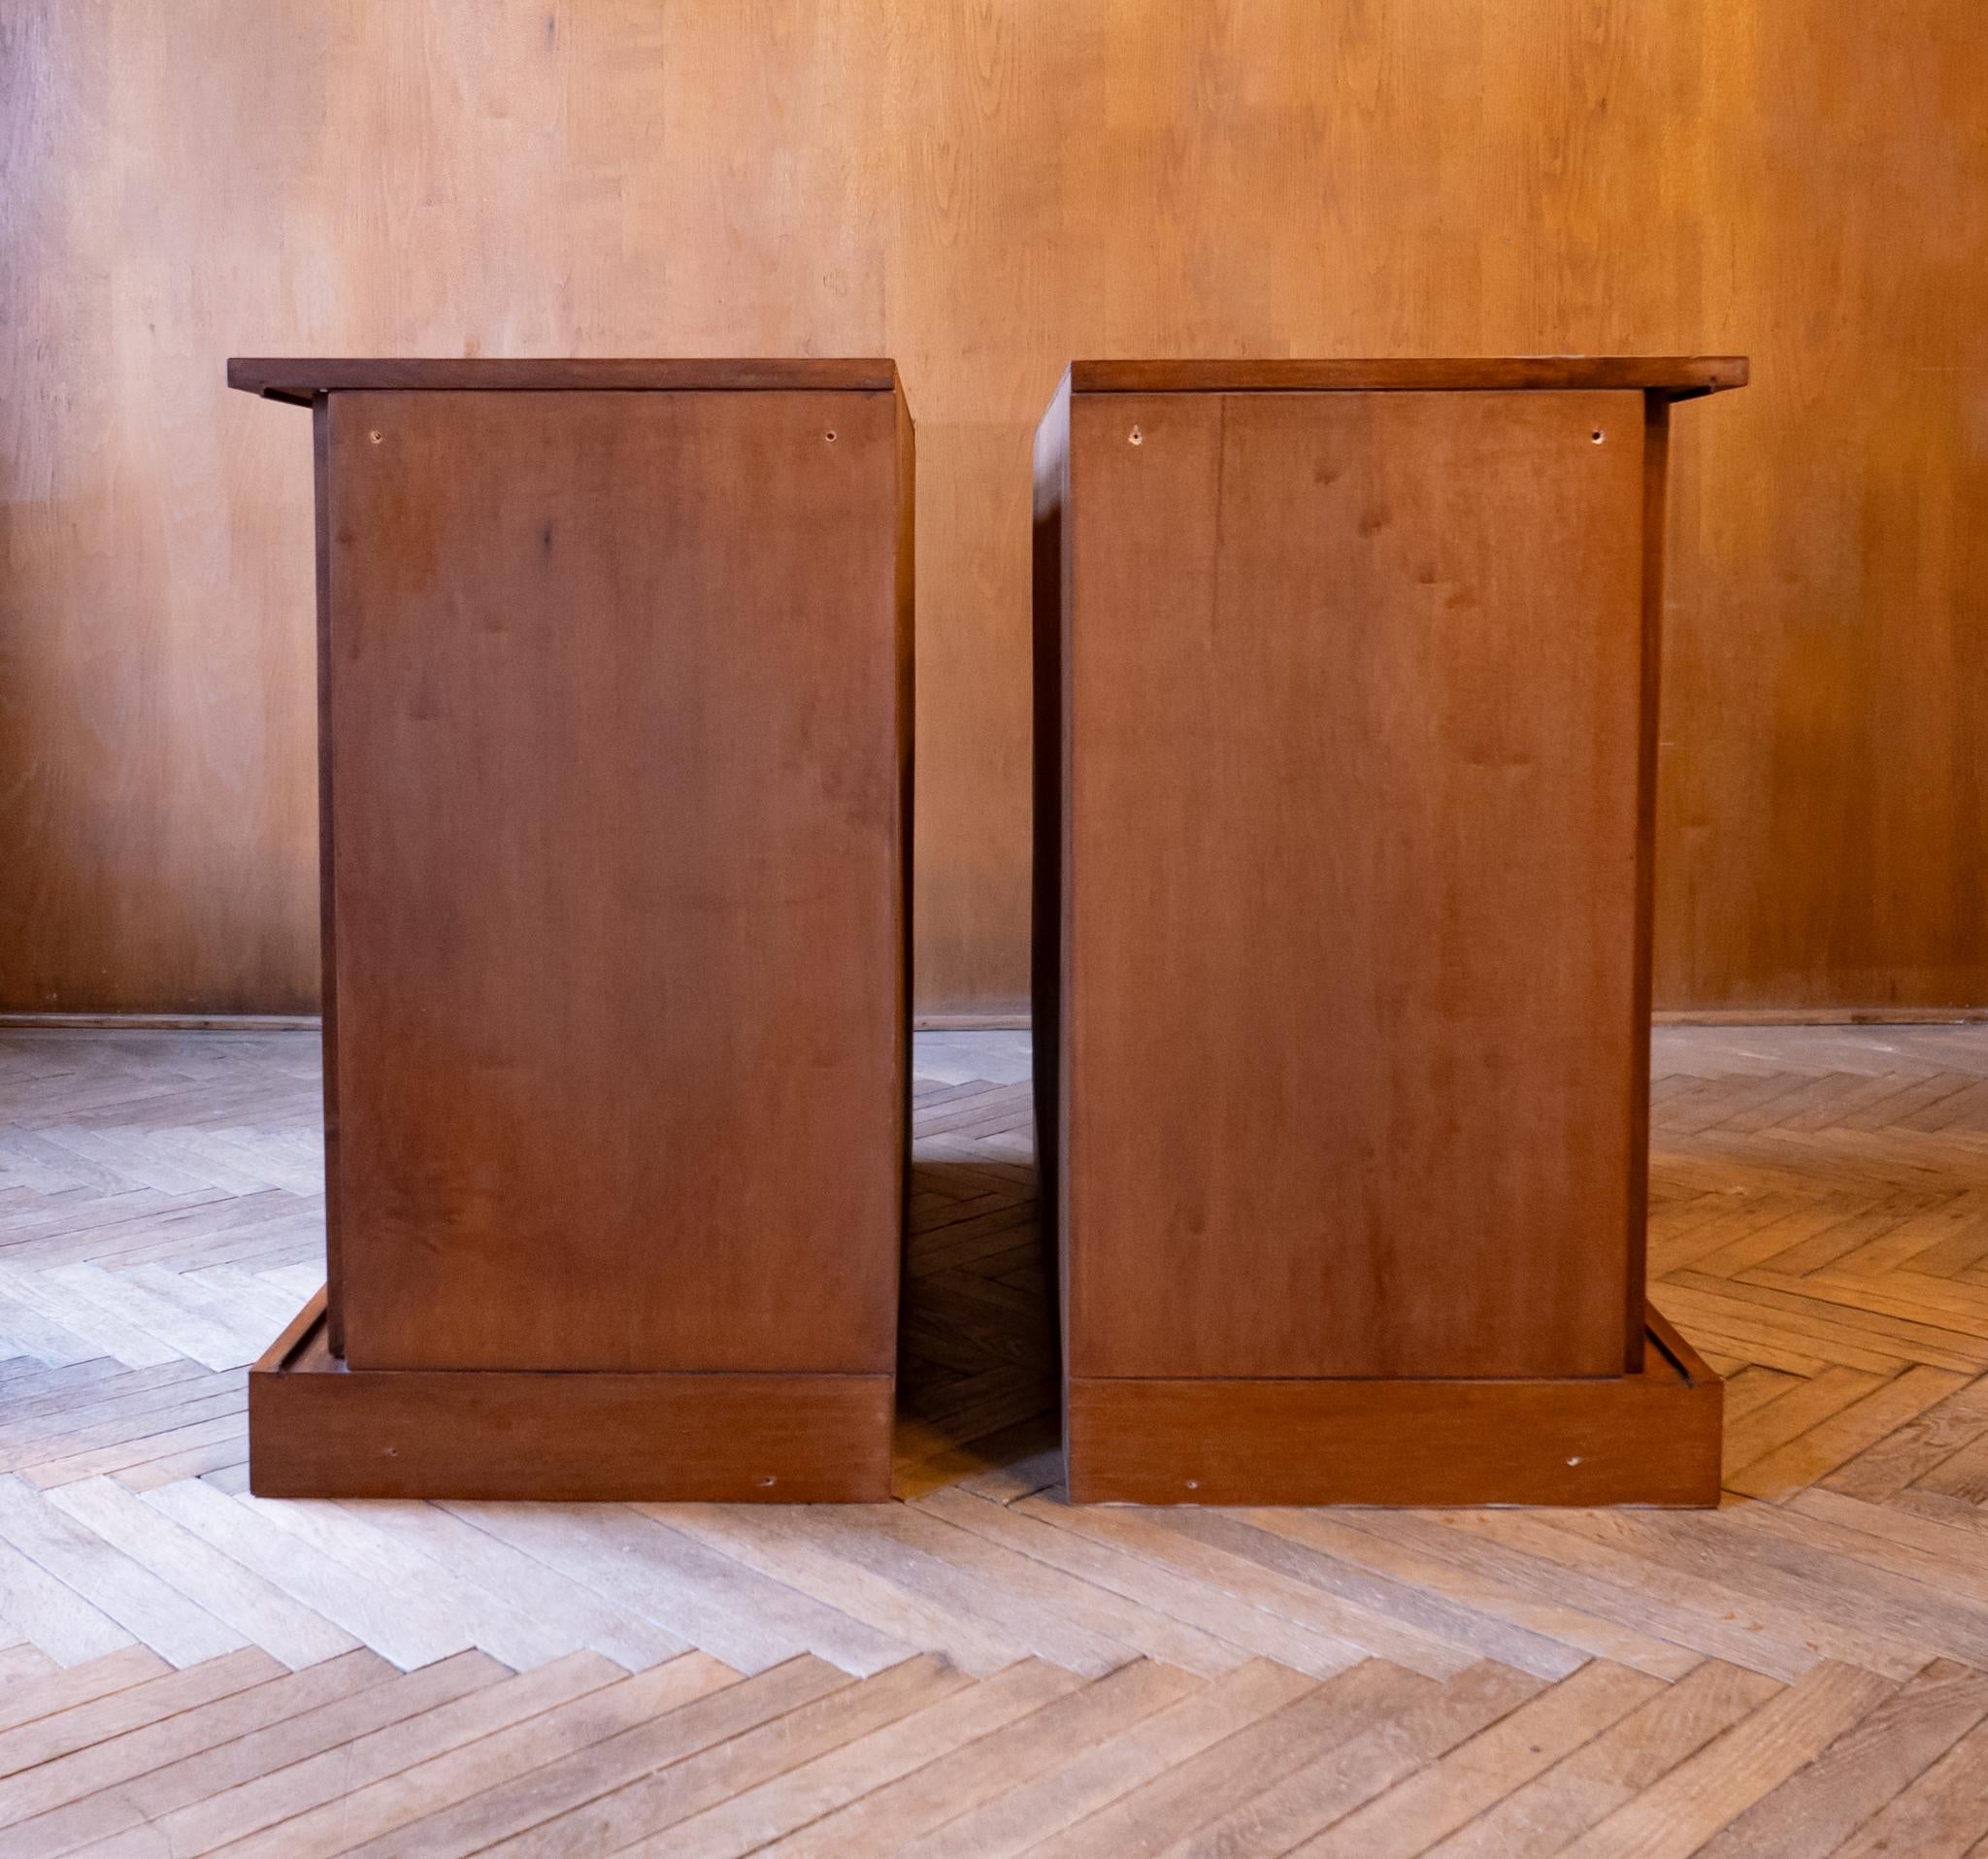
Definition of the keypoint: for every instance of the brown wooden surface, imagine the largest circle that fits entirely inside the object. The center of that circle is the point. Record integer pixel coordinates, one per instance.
(1354, 749)
(1647, 1438)
(619, 749)
(300, 378)
(1636, 1105)
(319, 1429)
(983, 195)
(1676, 376)
(327, 937)
(1048, 927)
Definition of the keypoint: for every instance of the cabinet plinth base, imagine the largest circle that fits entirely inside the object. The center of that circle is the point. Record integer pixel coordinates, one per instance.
(317, 1429)
(1646, 1439)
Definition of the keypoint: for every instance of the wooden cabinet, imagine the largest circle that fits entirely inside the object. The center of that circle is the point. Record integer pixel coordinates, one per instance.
(616, 733)
(1347, 700)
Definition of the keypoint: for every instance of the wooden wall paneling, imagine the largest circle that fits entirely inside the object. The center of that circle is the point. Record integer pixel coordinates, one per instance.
(157, 782)
(985, 192)
(1823, 814)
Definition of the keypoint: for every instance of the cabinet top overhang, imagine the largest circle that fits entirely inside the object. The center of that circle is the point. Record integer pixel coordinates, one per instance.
(300, 381)
(1676, 376)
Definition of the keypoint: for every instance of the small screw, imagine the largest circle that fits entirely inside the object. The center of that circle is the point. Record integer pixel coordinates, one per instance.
(1575, 1460)
(768, 1481)
(1138, 437)
(1194, 1484)
(376, 437)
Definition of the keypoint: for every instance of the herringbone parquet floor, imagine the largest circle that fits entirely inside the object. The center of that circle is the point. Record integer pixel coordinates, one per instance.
(978, 1668)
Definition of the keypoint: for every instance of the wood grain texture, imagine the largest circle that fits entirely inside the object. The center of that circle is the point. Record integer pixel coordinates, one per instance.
(985, 192)
(1049, 928)
(327, 869)
(1801, 1671)
(300, 379)
(318, 1429)
(1676, 376)
(620, 746)
(1647, 1438)
(1351, 933)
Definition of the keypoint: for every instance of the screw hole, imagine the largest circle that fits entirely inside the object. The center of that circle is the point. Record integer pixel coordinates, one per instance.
(829, 435)
(1596, 436)
(1138, 437)
(376, 437)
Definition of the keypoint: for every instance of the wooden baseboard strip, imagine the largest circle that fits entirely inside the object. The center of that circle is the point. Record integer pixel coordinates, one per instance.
(310, 1022)
(1819, 1017)
(1011, 1022)
(163, 1022)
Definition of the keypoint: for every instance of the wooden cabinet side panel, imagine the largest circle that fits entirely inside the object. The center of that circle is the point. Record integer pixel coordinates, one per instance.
(1356, 719)
(618, 694)
(1656, 470)
(1049, 588)
(327, 938)
(905, 615)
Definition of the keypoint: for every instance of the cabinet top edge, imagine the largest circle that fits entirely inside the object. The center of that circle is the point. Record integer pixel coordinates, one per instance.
(301, 379)
(1678, 377)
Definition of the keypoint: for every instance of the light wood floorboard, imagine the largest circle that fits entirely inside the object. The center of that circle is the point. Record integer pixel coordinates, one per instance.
(976, 1668)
